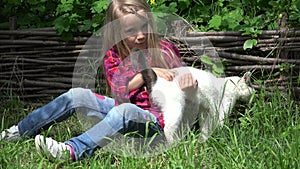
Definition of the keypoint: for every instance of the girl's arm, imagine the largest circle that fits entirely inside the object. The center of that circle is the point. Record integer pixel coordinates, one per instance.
(170, 51)
(137, 81)
(167, 74)
(117, 75)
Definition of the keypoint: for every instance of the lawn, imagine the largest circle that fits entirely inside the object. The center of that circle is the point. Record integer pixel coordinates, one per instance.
(265, 133)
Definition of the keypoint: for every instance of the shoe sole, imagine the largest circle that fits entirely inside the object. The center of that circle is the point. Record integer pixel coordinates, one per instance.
(40, 145)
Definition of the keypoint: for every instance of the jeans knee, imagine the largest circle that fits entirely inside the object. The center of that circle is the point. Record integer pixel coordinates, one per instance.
(69, 95)
(76, 90)
(126, 107)
(128, 110)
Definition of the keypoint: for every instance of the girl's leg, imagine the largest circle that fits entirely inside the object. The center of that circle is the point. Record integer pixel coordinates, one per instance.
(63, 107)
(120, 120)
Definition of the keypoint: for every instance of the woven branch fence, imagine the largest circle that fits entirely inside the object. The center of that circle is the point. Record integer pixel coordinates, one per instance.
(37, 65)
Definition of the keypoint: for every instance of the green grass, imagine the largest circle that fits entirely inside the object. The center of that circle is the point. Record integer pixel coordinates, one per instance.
(266, 134)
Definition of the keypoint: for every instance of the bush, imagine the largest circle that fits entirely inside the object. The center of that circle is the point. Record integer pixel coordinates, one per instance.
(70, 16)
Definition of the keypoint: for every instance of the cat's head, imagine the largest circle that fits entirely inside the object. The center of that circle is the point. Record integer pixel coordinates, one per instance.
(149, 78)
(241, 86)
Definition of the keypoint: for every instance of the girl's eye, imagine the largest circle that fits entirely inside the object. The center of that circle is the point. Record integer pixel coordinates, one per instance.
(129, 32)
(145, 27)
(134, 31)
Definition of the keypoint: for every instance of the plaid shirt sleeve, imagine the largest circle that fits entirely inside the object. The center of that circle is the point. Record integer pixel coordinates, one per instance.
(117, 75)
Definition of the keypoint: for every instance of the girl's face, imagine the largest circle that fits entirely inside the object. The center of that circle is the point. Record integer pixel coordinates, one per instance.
(135, 28)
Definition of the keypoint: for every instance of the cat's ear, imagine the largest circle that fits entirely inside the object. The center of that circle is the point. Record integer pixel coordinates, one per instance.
(246, 77)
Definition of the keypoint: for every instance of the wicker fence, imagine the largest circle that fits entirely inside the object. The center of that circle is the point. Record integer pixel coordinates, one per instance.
(37, 65)
(277, 53)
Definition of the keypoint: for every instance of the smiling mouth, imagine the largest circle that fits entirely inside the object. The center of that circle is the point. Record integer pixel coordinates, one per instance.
(141, 44)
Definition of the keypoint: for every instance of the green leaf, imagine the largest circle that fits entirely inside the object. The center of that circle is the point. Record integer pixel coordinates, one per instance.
(233, 18)
(249, 44)
(206, 60)
(64, 8)
(215, 22)
(61, 24)
(87, 24)
(95, 25)
(173, 7)
(184, 4)
(99, 6)
(218, 68)
(298, 4)
(162, 8)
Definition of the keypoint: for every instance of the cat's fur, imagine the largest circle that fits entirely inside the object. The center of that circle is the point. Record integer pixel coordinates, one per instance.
(209, 103)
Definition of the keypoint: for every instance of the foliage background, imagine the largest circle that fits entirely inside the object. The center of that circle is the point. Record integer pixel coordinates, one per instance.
(68, 16)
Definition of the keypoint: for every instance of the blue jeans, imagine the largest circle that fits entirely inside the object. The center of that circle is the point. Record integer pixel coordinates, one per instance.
(113, 120)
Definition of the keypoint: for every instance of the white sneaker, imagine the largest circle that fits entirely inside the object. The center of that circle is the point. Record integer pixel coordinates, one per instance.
(11, 134)
(53, 149)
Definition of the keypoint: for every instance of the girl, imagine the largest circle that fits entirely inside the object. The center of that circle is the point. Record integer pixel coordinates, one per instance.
(131, 109)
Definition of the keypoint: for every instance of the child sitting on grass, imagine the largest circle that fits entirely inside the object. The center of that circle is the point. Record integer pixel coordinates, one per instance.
(130, 110)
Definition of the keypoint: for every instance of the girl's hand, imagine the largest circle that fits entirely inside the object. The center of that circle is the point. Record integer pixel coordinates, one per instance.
(137, 81)
(186, 81)
(167, 74)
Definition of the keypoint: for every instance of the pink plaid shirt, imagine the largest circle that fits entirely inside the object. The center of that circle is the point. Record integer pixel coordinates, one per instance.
(119, 73)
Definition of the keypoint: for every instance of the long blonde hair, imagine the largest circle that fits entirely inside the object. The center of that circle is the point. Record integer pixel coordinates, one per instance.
(113, 36)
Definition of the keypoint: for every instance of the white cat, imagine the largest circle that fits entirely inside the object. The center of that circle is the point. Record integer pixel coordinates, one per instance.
(210, 103)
